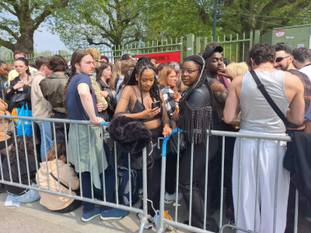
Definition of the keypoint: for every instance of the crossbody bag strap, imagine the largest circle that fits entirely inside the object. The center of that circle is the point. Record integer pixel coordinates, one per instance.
(273, 105)
(61, 183)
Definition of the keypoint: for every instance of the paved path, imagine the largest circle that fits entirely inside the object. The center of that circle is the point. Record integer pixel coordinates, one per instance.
(33, 218)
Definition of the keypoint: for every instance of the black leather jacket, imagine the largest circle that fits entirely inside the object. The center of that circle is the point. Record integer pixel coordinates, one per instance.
(197, 114)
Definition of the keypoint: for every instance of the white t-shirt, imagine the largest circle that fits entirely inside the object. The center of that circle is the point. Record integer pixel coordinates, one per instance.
(306, 70)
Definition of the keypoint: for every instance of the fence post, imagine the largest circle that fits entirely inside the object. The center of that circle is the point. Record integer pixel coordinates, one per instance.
(198, 45)
(256, 37)
(189, 45)
(251, 39)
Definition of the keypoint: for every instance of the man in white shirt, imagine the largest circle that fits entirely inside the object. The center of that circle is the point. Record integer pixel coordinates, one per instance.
(302, 60)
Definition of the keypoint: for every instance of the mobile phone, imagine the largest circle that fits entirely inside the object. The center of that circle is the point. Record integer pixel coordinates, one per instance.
(155, 104)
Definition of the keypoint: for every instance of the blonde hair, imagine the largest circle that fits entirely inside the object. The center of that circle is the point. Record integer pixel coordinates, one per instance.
(94, 53)
(163, 74)
(236, 69)
(116, 72)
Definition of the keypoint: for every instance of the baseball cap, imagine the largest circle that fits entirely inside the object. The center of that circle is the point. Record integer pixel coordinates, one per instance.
(210, 50)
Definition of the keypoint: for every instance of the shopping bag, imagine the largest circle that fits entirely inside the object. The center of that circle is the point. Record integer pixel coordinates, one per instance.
(24, 127)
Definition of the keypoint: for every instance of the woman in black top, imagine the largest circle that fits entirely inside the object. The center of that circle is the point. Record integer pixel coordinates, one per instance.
(141, 100)
(103, 77)
(18, 93)
(196, 117)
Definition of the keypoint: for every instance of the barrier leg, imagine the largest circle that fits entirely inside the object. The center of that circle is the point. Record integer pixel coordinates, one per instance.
(144, 219)
(162, 193)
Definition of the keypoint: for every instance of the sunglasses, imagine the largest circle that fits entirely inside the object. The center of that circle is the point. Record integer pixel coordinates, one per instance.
(279, 59)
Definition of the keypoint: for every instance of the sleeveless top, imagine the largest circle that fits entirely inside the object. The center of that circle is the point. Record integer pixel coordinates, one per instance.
(256, 113)
(139, 107)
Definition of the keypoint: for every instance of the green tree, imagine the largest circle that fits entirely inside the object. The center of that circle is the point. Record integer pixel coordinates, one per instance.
(248, 15)
(177, 18)
(100, 23)
(20, 19)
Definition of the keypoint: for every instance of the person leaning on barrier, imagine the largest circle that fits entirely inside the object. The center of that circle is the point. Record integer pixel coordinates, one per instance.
(256, 163)
(196, 116)
(85, 144)
(141, 101)
(58, 176)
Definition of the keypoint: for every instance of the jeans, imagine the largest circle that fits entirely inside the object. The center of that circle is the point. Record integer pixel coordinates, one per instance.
(46, 138)
(98, 193)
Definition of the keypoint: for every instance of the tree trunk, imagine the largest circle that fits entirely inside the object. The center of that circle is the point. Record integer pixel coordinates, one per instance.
(25, 41)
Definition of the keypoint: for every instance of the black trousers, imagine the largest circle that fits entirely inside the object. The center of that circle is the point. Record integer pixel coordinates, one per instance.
(74, 205)
(170, 178)
(154, 186)
(198, 183)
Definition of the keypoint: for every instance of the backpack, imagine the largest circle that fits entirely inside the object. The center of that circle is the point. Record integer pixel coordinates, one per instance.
(124, 186)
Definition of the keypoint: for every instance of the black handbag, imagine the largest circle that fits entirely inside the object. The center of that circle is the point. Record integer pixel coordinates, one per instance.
(19, 97)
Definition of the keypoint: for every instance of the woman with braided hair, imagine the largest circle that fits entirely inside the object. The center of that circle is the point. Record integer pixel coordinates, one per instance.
(141, 101)
(195, 118)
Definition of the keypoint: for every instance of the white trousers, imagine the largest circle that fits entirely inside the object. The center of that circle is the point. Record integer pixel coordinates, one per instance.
(260, 186)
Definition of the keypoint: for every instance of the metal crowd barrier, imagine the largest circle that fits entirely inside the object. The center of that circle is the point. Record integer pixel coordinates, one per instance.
(131, 207)
(177, 221)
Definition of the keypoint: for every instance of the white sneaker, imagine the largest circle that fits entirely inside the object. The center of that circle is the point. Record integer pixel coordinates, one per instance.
(149, 224)
(170, 198)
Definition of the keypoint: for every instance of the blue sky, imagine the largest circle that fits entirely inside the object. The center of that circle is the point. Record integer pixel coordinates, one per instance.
(46, 41)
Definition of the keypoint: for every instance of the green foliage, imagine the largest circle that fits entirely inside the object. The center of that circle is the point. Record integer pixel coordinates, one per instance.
(100, 23)
(20, 19)
(248, 15)
(177, 18)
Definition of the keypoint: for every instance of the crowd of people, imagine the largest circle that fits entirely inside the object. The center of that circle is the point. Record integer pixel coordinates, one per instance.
(142, 98)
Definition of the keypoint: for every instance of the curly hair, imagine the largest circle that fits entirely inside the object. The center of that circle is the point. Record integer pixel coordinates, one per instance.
(261, 53)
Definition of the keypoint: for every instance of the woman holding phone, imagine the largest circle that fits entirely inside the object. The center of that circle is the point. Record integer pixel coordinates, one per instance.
(141, 100)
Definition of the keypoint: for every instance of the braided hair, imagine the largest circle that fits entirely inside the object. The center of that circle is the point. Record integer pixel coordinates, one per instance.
(202, 77)
(142, 65)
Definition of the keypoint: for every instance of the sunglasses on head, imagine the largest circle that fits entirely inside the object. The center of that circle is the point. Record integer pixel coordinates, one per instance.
(279, 59)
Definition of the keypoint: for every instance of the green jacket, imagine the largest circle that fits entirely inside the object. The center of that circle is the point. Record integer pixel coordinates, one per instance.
(53, 89)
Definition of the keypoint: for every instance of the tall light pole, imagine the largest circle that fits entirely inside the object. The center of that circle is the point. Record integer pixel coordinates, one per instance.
(214, 20)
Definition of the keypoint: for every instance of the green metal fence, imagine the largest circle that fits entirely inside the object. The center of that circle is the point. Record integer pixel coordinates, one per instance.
(235, 46)
(149, 47)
